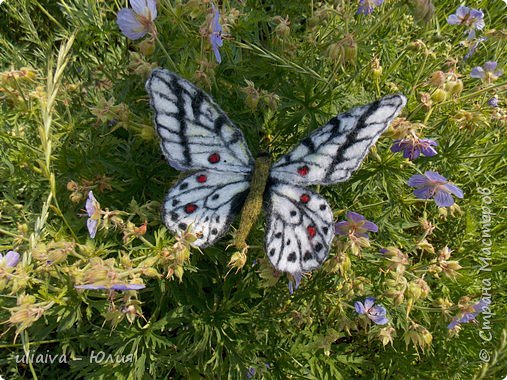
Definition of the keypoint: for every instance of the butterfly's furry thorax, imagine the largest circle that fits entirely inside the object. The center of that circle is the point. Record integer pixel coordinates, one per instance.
(253, 203)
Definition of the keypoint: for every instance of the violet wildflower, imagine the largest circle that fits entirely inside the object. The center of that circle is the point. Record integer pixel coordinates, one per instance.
(366, 7)
(493, 102)
(469, 315)
(356, 225)
(473, 19)
(297, 280)
(10, 260)
(136, 22)
(93, 211)
(216, 34)
(488, 73)
(474, 47)
(413, 146)
(433, 185)
(376, 313)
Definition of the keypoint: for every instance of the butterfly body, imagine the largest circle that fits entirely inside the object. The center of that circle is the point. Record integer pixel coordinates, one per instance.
(197, 135)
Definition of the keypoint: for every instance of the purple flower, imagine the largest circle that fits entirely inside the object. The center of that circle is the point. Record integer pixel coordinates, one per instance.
(472, 18)
(413, 146)
(216, 33)
(470, 315)
(366, 6)
(250, 372)
(433, 185)
(356, 225)
(136, 22)
(376, 313)
(10, 260)
(493, 102)
(93, 211)
(297, 280)
(118, 287)
(489, 73)
(474, 47)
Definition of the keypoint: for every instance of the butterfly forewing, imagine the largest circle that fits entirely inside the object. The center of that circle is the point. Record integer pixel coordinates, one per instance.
(195, 133)
(331, 153)
(205, 203)
(299, 228)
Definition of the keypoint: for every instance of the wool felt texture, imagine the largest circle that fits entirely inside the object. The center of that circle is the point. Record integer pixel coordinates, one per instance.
(197, 135)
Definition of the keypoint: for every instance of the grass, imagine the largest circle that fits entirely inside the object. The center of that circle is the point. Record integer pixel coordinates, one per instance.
(75, 117)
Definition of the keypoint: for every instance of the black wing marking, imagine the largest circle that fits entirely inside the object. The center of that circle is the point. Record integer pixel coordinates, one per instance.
(331, 153)
(299, 228)
(206, 203)
(195, 133)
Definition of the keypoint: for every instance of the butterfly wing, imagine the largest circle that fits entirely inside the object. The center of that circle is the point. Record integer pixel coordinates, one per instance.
(331, 153)
(206, 203)
(300, 222)
(195, 133)
(299, 228)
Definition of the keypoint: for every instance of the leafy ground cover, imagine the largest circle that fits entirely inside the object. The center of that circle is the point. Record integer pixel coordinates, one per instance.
(90, 277)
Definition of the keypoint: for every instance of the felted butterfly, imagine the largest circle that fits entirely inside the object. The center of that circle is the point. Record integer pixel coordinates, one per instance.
(196, 135)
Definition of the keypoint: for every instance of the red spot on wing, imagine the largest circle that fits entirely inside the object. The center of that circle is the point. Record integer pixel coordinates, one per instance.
(214, 158)
(312, 231)
(190, 208)
(303, 170)
(202, 178)
(304, 198)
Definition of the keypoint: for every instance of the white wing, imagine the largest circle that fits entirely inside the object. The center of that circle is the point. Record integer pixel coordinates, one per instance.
(299, 228)
(331, 153)
(206, 202)
(195, 133)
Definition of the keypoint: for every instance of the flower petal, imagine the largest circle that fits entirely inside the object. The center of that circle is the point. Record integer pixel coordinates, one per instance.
(370, 226)
(417, 180)
(477, 72)
(92, 224)
(355, 217)
(368, 302)
(424, 192)
(342, 228)
(129, 24)
(145, 8)
(11, 259)
(454, 190)
(443, 199)
(434, 176)
(360, 309)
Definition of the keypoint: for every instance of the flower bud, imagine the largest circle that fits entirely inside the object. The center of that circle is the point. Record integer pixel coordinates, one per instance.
(437, 79)
(439, 95)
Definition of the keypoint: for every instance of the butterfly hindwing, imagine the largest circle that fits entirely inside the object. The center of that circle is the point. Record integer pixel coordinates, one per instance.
(206, 203)
(331, 153)
(299, 228)
(195, 133)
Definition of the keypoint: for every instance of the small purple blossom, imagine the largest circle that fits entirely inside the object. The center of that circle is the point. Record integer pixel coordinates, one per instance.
(474, 47)
(117, 287)
(10, 260)
(376, 313)
(93, 211)
(293, 286)
(433, 185)
(366, 7)
(216, 34)
(493, 102)
(473, 19)
(488, 73)
(413, 146)
(356, 225)
(470, 315)
(136, 22)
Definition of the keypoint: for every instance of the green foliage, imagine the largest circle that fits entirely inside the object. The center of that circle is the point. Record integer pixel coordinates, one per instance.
(75, 117)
